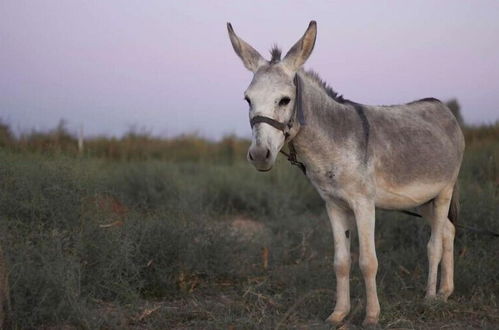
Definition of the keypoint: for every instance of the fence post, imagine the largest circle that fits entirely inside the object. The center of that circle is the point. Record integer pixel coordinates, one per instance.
(80, 140)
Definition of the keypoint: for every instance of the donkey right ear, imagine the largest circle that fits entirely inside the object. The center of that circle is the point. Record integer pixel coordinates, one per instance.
(252, 60)
(301, 51)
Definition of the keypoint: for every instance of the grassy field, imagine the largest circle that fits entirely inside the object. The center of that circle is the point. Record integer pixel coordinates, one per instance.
(96, 241)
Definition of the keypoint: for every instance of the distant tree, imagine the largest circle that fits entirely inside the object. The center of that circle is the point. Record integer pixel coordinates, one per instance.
(6, 136)
(61, 132)
(456, 110)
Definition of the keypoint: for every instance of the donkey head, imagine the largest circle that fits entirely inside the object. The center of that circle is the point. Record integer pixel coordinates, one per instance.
(271, 94)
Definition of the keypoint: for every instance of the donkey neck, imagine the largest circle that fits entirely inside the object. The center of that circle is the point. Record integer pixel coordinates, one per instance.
(331, 127)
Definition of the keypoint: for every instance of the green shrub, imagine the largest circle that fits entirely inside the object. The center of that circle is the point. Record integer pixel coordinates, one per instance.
(93, 242)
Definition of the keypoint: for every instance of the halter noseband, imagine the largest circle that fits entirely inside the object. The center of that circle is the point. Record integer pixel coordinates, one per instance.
(272, 122)
(286, 127)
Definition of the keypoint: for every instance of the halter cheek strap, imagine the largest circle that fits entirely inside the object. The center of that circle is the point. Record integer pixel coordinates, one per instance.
(286, 127)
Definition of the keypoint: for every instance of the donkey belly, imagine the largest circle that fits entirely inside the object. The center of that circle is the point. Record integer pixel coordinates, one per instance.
(417, 152)
(406, 196)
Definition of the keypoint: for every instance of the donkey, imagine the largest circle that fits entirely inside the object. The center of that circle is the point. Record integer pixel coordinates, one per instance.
(358, 157)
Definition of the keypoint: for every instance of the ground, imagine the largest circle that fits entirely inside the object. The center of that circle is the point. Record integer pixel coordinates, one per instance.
(91, 243)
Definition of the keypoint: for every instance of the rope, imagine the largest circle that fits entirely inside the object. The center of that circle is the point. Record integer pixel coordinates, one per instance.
(292, 158)
(468, 228)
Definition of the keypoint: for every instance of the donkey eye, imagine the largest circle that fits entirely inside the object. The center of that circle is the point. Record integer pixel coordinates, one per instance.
(284, 101)
(248, 100)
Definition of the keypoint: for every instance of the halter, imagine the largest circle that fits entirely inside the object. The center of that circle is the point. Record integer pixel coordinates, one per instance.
(286, 127)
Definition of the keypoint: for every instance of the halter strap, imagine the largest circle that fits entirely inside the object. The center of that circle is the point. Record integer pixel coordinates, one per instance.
(299, 101)
(267, 120)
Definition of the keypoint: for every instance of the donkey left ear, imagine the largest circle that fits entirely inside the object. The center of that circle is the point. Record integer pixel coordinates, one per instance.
(252, 59)
(300, 52)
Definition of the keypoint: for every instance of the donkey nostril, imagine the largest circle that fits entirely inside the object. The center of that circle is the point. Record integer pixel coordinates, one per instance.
(268, 154)
(250, 156)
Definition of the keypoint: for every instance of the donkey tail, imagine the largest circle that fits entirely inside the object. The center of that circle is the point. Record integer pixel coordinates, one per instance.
(454, 205)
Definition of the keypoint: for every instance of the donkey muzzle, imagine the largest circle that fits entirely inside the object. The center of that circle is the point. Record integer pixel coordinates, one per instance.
(260, 157)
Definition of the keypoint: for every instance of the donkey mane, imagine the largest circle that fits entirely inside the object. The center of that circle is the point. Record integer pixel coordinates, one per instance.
(275, 53)
(340, 99)
(324, 85)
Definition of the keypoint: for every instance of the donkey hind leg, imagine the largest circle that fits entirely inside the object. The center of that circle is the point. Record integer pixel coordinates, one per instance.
(342, 225)
(365, 217)
(447, 266)
(441, 245)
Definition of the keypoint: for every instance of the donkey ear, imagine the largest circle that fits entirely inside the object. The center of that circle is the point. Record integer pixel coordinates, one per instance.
(252, 60)
(300, 52)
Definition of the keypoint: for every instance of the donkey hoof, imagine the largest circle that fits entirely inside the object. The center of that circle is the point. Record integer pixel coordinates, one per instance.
(336, 318)
(370, 322)
(443, 295)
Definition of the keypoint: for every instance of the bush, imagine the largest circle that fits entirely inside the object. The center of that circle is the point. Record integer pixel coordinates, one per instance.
(93, 242)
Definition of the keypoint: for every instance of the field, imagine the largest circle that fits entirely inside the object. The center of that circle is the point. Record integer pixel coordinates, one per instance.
(141, 233)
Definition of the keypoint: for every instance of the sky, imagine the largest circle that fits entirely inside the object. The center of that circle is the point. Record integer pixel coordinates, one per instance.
(167, 67)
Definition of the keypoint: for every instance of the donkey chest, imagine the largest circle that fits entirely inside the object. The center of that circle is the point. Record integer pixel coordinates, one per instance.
(325, 182)
(338, 182)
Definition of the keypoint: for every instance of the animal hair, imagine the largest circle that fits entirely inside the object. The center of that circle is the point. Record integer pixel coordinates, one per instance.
(275, 53)
(426, 99)
(328, 89)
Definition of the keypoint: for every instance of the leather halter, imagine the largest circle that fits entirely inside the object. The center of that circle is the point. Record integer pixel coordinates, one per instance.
(272, 122)
(286, 127)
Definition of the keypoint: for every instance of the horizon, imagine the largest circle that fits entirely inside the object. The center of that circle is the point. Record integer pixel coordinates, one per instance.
(109, 66)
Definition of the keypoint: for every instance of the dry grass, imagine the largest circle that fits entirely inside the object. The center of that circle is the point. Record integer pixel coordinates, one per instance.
(92, 242)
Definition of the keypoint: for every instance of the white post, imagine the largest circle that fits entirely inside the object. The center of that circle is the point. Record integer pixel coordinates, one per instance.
(80, 140)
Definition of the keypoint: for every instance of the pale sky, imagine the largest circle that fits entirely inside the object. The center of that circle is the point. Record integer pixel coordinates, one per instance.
(168, 66)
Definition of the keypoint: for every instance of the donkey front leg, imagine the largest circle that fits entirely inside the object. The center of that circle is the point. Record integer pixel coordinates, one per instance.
(342, 224)
(364, 212)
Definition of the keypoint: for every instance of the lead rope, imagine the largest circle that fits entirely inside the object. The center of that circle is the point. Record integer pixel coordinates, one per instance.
(292, 157)
(468, 228)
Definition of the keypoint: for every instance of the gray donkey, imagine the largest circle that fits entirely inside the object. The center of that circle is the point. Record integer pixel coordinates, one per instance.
(358, 157)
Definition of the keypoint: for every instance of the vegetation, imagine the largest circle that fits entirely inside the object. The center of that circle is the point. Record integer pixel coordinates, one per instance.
(134, 145)
(146, 233)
